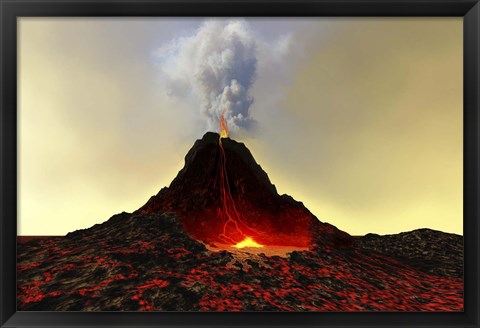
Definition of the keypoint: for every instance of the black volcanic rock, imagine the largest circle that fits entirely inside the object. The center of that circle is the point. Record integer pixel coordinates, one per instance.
(195, 197)
(431, 251)
(156, 259)
(192, 188)
(148, 263)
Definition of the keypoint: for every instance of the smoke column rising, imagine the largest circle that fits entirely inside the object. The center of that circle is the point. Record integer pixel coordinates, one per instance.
(217, 66)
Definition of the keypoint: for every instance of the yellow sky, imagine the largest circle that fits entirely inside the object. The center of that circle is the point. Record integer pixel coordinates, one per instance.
(366, 130)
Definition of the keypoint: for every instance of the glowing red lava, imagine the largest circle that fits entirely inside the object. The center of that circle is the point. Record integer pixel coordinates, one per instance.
(247, 242)
(222, 196)
(223, 126)
(235, 227)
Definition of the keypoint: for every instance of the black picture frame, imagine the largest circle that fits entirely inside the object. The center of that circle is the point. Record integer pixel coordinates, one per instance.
(10, 10)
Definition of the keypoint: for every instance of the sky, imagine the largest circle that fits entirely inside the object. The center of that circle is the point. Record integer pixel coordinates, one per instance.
(358, 118)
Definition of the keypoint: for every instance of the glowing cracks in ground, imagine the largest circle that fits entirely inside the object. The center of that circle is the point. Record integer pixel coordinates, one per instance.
(247, 242)
(234, 224)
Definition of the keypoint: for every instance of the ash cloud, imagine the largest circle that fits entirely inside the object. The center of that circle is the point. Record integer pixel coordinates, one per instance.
(215, 66)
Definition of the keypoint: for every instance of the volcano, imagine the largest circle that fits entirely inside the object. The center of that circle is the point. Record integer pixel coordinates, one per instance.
(257, 211)
(205, 243)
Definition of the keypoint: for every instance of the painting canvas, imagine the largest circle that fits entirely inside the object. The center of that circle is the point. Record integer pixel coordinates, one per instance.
(240, 164)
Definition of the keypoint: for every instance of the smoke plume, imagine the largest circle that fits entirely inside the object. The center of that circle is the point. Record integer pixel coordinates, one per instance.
(217, 66)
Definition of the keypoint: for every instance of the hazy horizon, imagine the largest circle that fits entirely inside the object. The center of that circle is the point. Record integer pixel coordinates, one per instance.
(361, 119)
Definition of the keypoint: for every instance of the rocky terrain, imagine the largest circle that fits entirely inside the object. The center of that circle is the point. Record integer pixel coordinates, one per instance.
(168, 255)
(427, 250)
(151, 264)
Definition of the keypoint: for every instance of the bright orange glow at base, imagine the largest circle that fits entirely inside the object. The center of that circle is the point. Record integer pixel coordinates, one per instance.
(234, 224)
(247, 242)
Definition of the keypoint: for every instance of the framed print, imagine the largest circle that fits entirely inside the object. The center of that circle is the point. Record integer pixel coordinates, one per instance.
(233, 163)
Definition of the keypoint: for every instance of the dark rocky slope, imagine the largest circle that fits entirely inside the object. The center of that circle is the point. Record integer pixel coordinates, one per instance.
(430, 251)
(160, 258)
(194, 196)
(148, 263)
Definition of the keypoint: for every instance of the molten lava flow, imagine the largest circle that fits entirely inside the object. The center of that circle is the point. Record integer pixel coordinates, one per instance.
(234, 227)
(223, 126)
(247, 242)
